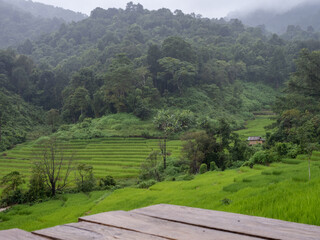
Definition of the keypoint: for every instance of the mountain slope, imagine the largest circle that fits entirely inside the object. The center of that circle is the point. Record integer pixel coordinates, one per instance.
(46, 11)
(20, 21)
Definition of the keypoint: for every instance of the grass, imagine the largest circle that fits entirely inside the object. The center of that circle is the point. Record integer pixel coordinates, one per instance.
(116, 156)
(279, 191)
(256, 127)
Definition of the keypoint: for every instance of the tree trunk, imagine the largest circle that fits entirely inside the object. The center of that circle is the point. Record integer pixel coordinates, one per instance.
(165, 153)
(53, 189)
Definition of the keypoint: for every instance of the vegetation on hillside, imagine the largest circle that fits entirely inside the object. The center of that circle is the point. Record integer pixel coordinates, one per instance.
(17, 120)
(157, 76)
(278, 191)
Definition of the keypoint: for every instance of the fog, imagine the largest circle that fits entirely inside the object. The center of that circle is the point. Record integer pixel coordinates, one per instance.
(207, 8)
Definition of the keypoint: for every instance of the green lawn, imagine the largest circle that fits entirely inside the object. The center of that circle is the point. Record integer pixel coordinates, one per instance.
(280, 191)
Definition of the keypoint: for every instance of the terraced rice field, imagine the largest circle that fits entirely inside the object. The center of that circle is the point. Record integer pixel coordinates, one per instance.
(118, 157)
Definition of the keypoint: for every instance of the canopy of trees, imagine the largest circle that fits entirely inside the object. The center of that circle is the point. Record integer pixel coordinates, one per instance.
(138, 61)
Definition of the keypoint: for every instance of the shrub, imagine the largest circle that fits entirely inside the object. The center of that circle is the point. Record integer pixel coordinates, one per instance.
(287, 149)
(226, 201)
(213, 166)
(186, 177)
(107, 182)
(263, 157)
(85, 180)
(146, 184)
(203, 168)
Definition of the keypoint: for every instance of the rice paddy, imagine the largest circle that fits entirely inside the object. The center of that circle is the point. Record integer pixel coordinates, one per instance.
(115, 156)
(256, 127)
(281, 191)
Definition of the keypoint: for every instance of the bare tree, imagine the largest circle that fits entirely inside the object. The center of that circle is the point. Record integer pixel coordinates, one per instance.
(54, 165)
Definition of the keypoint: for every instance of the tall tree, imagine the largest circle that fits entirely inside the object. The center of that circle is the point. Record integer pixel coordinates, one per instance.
(54, 165)
(169, 123)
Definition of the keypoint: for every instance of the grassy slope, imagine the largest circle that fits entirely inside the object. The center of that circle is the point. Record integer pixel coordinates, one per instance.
(256, 126)
(279, 191)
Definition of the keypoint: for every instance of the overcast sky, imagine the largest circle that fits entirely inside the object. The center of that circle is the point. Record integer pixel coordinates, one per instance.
(207, 8)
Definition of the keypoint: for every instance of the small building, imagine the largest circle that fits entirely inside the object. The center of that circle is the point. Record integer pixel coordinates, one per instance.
(255, 140)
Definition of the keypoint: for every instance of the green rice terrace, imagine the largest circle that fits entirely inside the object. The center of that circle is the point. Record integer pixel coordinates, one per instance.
(256, 127)
(115, 156)
(280, 191)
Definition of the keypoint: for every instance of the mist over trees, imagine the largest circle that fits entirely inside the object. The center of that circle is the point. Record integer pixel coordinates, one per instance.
(38, 9)
(303, 19)
(138, 61)
(22, 20)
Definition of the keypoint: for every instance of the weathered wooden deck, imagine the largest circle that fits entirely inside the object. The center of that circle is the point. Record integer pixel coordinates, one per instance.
(171, 222)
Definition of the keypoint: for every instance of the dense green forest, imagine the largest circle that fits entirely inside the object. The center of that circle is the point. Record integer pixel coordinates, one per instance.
(22, 20)
(121, 84)
(138, 61)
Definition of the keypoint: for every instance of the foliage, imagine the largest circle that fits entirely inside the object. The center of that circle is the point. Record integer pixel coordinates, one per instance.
(150, 167)
(216, 144)
(263, 157)
(213, 166)
(121, 61)
(85, 180)
(153, 170)
(300, 123)
(203, 168)
(37, 190)
(260, 194)
(17, 118)
(170, 123)
(12, 193)
(54, 166)
(107, 182)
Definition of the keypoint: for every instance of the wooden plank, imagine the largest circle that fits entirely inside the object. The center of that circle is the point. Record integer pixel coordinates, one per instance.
(91, 231)
(17, 234)
(238, 223)
(161, 228)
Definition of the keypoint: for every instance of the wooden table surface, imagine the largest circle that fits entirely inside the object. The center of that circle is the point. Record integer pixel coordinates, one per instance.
(171, 222)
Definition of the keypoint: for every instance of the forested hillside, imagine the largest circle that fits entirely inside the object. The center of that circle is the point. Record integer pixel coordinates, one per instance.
(22, 20)
(138, 61)
(134, 97)
(302, 18)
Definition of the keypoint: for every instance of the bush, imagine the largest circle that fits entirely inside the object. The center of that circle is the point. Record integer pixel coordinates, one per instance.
(213, 166)
(107, 182)
(146, 184)
(203, 168)
(186, 177)
(263, 157)
(287, 149)
(13, 197)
